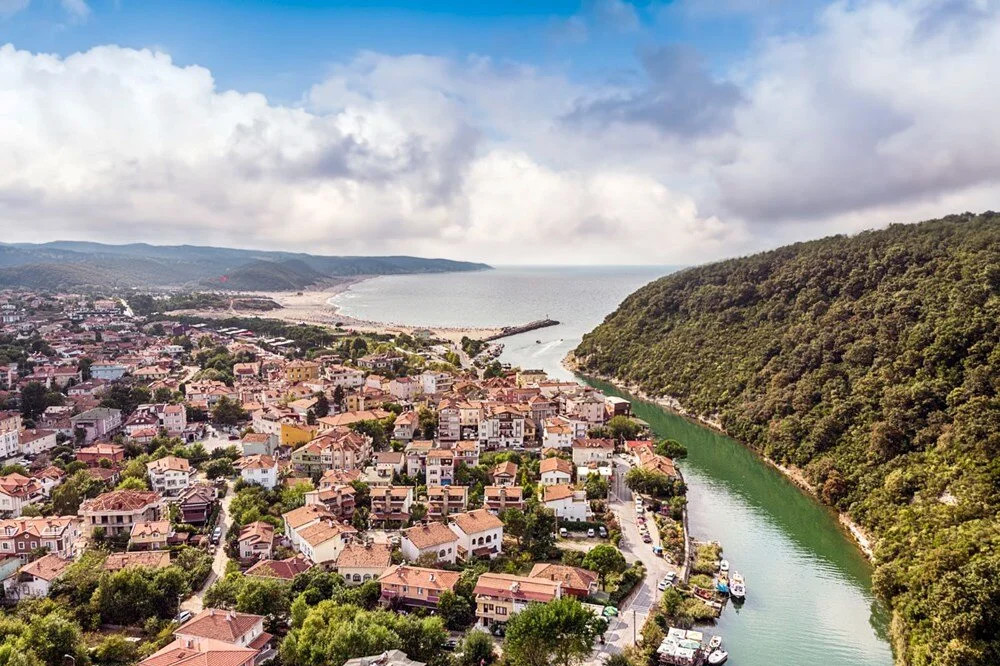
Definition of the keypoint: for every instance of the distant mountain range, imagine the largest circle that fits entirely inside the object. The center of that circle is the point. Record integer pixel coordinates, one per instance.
(66, 264)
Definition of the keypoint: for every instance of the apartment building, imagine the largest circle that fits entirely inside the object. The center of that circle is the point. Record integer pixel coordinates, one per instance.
(419, 587)
(170, 475)
(391, 504)
(499, 596)
(442, 501)
(117, 511)
(497, 499)
(479, 533)
(433, 540)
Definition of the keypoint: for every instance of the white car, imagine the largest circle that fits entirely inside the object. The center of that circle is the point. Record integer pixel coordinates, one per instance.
(662, 585)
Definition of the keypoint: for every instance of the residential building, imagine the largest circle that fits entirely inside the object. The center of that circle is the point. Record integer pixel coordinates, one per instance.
(501, 427)
(259, 469)
(94, 454)
(404, 388)
(286, 569)
(565, 502)
(497, 499)
(117, 511)
(148, 559)
(18, 491)
(416, 456)
(389, 463)
(346, 378)
(315, 533)
(10, 429)
(499, 596)
(361, 562)
(432, 381)
(339, 448)
(213, 631)
(505, 474)
(337, 499)
(588, 450)
(20, 536)
(416, 586)
(575, 581)
(151, 535)
(196, 502)
(442, 501)
(588, 406)
(170, 475)
(555, 471)
(259, 444)
(97, 423)
(256, 541)
(35, 441)
(301, 371)
(440, 467)
(107, 371)
(433, 540)
(404, 426)
(391, 504)
(35, 579)
(479, 532)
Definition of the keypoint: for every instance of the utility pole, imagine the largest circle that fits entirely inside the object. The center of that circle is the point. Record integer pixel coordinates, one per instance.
(633, 627)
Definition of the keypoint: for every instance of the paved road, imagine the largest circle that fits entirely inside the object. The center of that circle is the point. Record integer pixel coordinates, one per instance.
(194, 602)
(625, 629)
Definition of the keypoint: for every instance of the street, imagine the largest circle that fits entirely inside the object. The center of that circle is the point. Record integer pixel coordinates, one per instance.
(624, 630)
(194, 602)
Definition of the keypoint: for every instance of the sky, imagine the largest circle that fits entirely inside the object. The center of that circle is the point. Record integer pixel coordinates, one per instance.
(516, 132)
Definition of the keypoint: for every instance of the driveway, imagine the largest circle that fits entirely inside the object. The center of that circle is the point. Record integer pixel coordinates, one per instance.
(194, 602)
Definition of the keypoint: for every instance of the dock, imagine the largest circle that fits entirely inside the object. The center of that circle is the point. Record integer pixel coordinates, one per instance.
(508, 331)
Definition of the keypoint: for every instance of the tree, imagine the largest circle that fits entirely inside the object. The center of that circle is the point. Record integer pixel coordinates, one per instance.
(605, 560)
(418, 511)
(671, 448)
(477, 650)
(456, 611)
(220, 467)
(338, 397)
(428, 420)
(557, 633)
(596, 486)
(67, 497)
(310, 417)
(622, 428)
(263, 596)
(515, 523)
(33, 400)
(540, 532)
(115, 650)
(132, 483)
(53, 636)
(322, 406)
(228, 412)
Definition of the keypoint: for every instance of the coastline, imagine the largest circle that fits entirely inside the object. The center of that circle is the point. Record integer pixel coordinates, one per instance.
(312, 306)
(858, 535)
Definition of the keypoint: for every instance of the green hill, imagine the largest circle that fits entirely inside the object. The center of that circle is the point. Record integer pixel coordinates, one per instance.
(872, 363)
(68, 264)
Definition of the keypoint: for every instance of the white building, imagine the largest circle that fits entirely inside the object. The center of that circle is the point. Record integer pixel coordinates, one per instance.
(170, 475)
(565, 502)
(34, 580)
(259, 469)
(431, 540)
(479, 533)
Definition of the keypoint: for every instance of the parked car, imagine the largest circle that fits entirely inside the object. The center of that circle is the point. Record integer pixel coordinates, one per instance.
(591, 533)
(183, 616)
(610, 611)
(603, 531)
(646, 538)
(670, 577)
(563, 532)
(216, 534)
(662, 585)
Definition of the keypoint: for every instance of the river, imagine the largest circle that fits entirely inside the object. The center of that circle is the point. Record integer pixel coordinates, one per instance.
(809, 597)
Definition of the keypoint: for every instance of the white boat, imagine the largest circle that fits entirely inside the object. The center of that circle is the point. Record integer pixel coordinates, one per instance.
(724, 565)
(737, 586)
(715, 643)
(718, 657)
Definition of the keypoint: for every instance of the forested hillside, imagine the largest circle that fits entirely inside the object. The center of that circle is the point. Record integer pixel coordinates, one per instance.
(872, 363)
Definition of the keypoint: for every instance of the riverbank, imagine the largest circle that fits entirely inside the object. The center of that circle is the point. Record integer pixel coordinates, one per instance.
(858, 535)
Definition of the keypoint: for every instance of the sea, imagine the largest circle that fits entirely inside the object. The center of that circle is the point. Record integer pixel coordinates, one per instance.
(809, 598)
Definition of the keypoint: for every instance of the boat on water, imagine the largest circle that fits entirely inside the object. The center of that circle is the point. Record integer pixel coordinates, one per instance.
(724, 565)
(737, 587)
(718, 657)
(715, 643)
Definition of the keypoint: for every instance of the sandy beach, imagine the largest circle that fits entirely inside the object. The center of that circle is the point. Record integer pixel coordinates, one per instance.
(312, 306)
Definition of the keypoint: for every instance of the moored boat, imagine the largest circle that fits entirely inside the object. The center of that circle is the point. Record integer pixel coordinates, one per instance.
(724, 565)
(718, 657)
(715, 643)
(737, 587)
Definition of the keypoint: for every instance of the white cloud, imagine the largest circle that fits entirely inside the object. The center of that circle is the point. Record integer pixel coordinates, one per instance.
(882, 113)
(76, 8)
(11, 7)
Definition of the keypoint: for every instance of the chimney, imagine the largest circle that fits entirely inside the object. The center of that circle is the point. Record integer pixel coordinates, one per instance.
(431, 578)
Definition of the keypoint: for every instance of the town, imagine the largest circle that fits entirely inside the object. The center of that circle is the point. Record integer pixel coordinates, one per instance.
(238, 492)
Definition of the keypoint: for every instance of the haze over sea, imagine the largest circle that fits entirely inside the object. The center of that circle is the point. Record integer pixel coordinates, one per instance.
(809, 588)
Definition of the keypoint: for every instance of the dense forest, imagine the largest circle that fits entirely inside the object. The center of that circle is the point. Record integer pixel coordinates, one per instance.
(870, 362)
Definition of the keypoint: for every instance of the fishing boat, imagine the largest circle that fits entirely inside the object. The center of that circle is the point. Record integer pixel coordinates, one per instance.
(715, 643)
(737, 587)
(718, 657)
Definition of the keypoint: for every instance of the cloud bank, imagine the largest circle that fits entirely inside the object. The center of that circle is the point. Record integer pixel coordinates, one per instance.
(883, 112)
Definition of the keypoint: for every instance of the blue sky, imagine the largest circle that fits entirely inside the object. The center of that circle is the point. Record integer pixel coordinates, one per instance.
(281, 48)
(603, 131)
